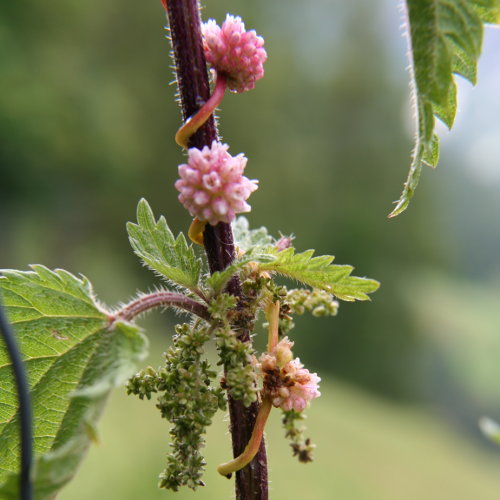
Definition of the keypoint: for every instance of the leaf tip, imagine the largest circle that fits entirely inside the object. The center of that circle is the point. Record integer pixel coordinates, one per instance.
(144, 210)
(401, 206)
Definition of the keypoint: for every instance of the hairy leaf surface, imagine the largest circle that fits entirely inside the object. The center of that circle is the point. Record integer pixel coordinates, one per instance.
(445, 38)
(153, 242)
(73, 356)
(319, 272)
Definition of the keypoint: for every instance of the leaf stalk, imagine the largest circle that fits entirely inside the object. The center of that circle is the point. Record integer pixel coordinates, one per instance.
(161, 299)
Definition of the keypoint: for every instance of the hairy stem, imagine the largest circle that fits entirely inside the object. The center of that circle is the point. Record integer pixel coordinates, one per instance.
(161, 299)
(194, 91)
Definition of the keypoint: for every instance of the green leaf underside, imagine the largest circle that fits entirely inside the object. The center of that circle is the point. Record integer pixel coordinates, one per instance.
(153, 242)
(318, 272)
(73, 360)
(250, 239)
(445, 38)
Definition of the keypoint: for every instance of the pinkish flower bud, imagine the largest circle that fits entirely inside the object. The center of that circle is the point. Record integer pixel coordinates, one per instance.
(284, 242)
(212, 186)
(234, 52)
(283, 352)
(267, 362)
(304, 389)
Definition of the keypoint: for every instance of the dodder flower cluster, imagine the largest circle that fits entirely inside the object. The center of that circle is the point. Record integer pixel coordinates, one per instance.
(234, 52)
(212, 185)
(289, 385)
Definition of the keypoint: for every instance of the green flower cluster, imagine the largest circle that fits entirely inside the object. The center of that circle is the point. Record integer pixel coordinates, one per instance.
(317, 302)
(143, 383)
(235, 354)
(187, 399)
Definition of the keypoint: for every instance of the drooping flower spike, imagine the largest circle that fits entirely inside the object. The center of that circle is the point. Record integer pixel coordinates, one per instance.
(212, 186)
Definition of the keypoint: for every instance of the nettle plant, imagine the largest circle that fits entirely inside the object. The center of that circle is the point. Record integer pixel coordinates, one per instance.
(76, 350)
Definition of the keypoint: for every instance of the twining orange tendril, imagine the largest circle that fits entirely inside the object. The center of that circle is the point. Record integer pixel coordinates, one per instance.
(273, 317)
(194, 122)
(253, 445)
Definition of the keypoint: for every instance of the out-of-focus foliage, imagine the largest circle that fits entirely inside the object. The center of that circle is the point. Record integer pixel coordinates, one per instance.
(490, 429)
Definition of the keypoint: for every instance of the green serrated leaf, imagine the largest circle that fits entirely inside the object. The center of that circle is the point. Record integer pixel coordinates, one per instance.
(73, 357)
(153, 242)
(447, 112)
(445, 37)
(319, 272)
(431, 155)
(250, 239)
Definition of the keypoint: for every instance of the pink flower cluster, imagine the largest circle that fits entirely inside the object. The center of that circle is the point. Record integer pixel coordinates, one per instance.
(234, 52)
(289, 385)
(212, 185)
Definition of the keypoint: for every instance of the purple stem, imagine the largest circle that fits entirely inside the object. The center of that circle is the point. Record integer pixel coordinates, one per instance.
(159, 299)
(194, 91)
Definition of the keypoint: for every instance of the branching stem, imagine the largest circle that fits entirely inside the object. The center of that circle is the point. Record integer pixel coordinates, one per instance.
(161, 299)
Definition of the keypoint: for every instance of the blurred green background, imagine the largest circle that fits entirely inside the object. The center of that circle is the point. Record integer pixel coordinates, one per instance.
(87, 119)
